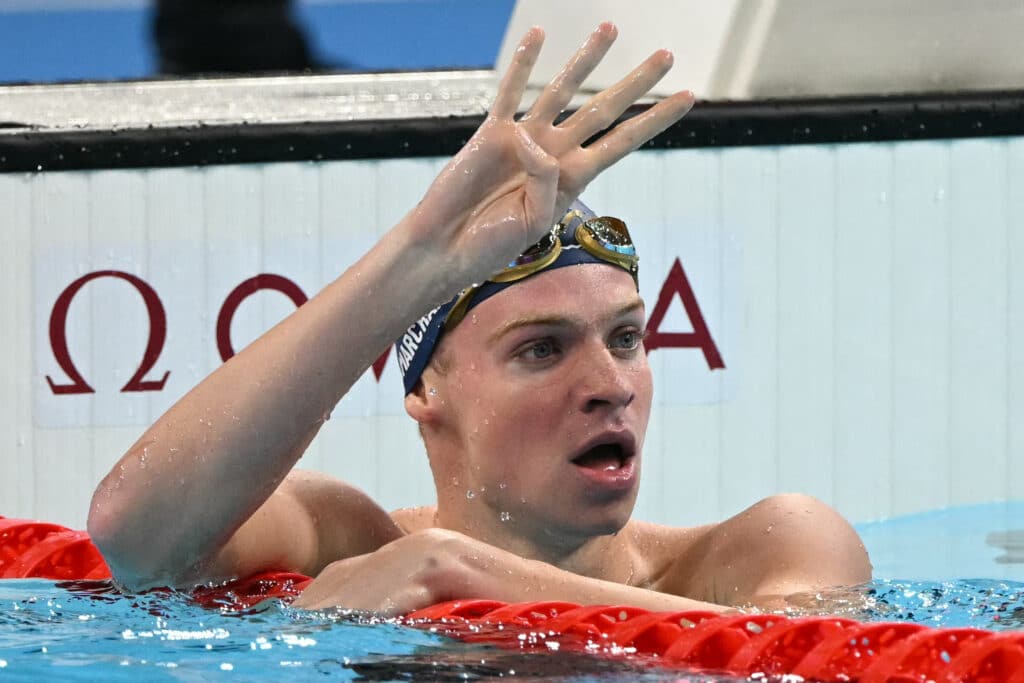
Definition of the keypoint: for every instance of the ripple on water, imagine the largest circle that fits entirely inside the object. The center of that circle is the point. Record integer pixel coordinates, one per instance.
(979, 603)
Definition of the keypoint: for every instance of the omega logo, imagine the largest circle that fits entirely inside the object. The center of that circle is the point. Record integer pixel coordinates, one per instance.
(675, 284)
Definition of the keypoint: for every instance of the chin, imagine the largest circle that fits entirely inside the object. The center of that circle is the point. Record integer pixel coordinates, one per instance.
(608, 524)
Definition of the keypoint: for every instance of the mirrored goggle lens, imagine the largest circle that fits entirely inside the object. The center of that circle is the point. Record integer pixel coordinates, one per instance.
(612, 234)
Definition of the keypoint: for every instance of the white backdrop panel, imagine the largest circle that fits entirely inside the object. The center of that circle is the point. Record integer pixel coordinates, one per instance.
(863, 299)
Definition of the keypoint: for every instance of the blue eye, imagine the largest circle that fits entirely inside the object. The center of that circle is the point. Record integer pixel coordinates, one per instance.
(628, 340)
(541, 350)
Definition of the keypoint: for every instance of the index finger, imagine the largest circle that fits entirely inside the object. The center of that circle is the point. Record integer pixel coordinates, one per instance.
(513, 83)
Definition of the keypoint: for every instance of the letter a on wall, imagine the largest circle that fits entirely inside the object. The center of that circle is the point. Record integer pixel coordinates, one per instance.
(700, 338)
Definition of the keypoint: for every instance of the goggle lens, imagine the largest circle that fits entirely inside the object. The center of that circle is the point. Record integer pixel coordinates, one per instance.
(538, 251)
(611, 233)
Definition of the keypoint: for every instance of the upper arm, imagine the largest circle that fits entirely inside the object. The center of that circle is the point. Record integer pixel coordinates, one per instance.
(792, 543)
(310, 521)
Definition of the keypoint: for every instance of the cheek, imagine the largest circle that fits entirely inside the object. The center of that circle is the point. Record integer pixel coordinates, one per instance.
(512, 419)
(644, 386)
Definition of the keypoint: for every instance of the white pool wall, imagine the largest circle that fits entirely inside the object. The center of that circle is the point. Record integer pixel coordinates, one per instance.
(867, 300)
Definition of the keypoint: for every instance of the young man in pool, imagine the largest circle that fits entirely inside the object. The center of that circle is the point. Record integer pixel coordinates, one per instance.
(532, 391)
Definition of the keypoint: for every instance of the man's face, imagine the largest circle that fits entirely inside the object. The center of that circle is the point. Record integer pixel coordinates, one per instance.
(545, 395)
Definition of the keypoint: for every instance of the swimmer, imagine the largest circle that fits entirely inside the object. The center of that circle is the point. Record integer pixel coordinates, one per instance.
(532, 391)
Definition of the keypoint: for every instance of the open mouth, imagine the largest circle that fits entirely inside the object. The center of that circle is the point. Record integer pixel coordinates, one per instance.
(603, 457)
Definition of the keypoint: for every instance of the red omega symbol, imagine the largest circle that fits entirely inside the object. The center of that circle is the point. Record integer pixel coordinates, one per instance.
(59, 339)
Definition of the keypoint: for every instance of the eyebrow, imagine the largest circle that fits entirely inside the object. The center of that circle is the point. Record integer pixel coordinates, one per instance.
(559, 320)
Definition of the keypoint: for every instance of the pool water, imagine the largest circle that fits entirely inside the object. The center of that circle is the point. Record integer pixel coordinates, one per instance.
(88, 631)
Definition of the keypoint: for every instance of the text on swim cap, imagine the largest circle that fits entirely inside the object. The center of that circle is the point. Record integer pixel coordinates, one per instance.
(411, 340)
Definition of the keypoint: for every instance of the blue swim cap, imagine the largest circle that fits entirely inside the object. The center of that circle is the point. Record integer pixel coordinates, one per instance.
(415, 348)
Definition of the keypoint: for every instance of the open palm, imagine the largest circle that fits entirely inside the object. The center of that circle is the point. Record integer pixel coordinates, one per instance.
(503, 190)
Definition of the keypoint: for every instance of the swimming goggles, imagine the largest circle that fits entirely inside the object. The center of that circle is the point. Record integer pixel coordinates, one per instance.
(604, 237)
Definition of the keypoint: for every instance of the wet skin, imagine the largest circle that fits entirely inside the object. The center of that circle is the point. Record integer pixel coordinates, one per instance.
(527, 384)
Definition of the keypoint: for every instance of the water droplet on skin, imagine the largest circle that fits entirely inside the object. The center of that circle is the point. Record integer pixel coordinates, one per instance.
(470, 495)
(505, 516)
(502, 486)
(433, 391)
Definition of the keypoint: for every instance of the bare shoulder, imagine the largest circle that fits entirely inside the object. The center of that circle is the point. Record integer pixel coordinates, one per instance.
(415, 519)
(781, 545)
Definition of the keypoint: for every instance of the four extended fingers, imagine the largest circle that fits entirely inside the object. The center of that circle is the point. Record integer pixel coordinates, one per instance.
(604, 108)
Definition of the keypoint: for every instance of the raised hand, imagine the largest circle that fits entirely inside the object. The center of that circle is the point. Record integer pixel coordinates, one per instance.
(506, 187)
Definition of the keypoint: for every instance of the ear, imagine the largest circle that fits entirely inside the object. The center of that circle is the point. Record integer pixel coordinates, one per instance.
(421, 405)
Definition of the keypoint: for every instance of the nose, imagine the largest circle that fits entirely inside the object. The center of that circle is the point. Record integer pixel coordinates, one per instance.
(605, 381)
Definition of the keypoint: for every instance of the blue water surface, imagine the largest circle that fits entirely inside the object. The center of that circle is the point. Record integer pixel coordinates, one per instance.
(86, 631)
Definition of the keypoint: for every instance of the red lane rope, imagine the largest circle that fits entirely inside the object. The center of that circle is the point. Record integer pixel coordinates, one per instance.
(815, 648)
